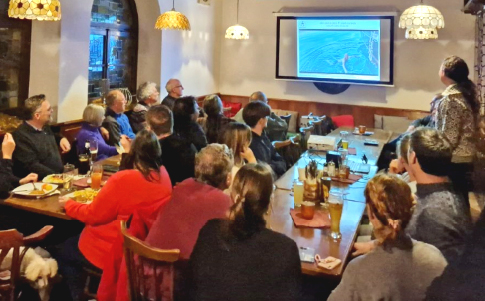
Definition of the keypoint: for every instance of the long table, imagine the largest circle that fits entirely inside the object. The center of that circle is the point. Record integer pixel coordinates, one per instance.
(354, 206)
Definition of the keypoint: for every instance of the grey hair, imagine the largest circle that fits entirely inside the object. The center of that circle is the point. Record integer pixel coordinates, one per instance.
(212, 165)
(145, 90)
(258, 95)
(169, 86)
(93, 114)
(32, 104)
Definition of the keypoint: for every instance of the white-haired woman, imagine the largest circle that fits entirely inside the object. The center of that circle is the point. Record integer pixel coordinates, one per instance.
(93, 117)
(147, 96)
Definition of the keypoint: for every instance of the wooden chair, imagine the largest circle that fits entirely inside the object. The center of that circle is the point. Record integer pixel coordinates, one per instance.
(12, 239)
(147, 268)
(305, 135)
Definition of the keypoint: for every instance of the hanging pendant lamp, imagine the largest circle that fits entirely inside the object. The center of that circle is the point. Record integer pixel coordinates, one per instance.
(237, 32)
(172, 20)
(422, 22)
(42, 10)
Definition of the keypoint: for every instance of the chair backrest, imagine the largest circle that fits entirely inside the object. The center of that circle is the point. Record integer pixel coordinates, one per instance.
(148, 269)
(344, 120)
(305, 135)
(317, 127)
(12, 240)
(287, 119)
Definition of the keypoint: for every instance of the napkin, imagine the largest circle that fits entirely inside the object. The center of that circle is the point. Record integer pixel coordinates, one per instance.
(352, 151)
(320, 219)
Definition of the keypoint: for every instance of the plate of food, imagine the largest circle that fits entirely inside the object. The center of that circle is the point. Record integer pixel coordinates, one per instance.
(41, 189)
(53, 179)
(85, 196)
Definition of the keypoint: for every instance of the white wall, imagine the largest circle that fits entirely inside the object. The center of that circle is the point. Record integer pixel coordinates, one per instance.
(193, 56)
(60, 55)
(247, 66)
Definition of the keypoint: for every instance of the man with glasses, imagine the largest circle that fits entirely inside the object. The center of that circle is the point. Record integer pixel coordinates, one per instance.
(147, 96)
(175, 90)
(37, 149)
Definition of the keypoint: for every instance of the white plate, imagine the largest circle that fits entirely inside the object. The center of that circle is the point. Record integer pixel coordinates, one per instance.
(26, 189)
(72, 196)
(48, 180)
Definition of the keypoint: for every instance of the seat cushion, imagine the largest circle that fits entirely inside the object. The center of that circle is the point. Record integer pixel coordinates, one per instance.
(343, 120)
(395, 124)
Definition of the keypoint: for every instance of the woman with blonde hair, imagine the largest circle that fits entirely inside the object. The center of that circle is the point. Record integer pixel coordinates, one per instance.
(93, 117)
(239, 258)
(398, 267)
(237, 136)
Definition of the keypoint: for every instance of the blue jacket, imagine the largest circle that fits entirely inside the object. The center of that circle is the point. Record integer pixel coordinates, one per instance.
(117, 125)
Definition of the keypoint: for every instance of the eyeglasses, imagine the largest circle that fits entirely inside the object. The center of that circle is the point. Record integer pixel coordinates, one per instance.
(180, 86)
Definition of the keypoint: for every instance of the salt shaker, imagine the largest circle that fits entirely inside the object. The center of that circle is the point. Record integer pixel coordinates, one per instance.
(331, 169)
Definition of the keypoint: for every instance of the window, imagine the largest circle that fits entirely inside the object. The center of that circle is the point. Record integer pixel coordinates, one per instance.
(14, 59)
(113, 47)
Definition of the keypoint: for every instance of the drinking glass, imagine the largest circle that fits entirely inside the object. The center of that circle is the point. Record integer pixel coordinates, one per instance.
(298, 193)
(345, 140)
(83, 164)
(308, 210)
(67, 176)
(96, 176)
(335, 208)
(93, 149)
(362, 129)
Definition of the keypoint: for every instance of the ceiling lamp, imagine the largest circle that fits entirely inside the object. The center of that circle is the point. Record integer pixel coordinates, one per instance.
(237, 32)
(422, 22)
(42, 10)
(172, 20)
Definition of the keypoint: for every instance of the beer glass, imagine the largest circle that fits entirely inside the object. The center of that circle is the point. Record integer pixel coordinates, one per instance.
(298, 193)
(93, 149)
(335, 208)
(83, 164)
(308, 210)
(345, 140)
(362, 129)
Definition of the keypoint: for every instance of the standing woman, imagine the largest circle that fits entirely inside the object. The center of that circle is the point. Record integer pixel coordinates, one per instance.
(457, 118)
(185, 114)
(239, 258)
(215, 120)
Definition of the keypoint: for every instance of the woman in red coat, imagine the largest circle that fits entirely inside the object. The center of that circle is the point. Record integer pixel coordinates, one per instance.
(145, 185)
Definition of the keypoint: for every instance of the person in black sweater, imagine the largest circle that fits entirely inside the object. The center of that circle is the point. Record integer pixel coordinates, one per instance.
(178, 155)
(185, 114)
(175, 90)
(239, 258)
(37, 148)
(7, 180)
(255, 115)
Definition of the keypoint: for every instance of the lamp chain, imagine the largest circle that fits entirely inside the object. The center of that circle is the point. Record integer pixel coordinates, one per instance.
(237, 13)
(173, 4)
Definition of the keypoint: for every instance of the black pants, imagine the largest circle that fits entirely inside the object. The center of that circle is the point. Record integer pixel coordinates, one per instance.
(461, 177)
(71, 266)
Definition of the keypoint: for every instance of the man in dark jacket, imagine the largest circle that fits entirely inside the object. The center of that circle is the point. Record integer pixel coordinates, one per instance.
(37, 148)
(147, 96)
(255, 115)
(178, 155)
(175, 90)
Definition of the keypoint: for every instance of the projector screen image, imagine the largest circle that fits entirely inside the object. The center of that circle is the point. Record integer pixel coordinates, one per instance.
(335, 49)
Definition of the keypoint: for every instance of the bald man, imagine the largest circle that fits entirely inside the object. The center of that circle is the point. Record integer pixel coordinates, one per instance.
(276, 128)
(175, 90)
(116, 122)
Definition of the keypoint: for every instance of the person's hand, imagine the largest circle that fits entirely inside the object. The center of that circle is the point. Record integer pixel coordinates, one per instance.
(65, 145)
(8, 146)
(394, 167)
(410, 129)
(361, 248)
(63, 200)
(30, 178)
(248, 155)
(104, 133)
(126, 143)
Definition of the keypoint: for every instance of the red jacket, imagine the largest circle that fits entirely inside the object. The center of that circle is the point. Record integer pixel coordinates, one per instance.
(124, 192)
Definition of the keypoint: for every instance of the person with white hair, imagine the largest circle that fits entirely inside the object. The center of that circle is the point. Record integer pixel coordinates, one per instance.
(147, 96)
(175, 90)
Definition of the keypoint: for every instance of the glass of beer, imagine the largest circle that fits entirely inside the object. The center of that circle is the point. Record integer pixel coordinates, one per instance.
(307, 210)
(335, 208)
(344, 135)
(83, 164)
(298, 193)
(93, 149)
(96, 176)
(362, 129)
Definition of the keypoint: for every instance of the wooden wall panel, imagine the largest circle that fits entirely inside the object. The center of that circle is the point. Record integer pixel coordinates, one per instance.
(363, 115)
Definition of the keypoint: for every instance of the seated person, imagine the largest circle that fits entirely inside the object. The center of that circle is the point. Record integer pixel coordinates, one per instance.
(400, 166)
(175, 90)
(37, 148)
(399, 268)
(256, 117)
(239, 258)
(7, 180)
(93, 117)
(116, 122)
(147, 184)
(441, 217)
(237, 136)
(215, 120)
(147, 96)
(185, 114)
(276, 126)
(178, 155)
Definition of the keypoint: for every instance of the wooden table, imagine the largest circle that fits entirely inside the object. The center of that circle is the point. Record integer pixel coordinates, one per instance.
(48, 206)
(354, 206)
